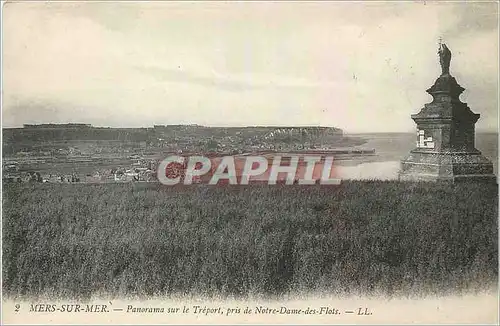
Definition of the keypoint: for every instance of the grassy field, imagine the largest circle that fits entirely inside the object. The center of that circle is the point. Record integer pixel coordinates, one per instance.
(360, 237)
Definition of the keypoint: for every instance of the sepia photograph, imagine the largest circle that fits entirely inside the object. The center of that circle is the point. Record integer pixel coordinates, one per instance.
(249, 162)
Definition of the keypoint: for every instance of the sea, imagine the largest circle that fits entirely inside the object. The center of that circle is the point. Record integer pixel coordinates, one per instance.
(390, 148)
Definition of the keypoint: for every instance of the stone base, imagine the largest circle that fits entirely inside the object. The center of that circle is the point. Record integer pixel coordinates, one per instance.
(446, 166)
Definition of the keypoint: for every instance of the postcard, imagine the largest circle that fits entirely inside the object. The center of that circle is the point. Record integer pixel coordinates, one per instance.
(251, 162)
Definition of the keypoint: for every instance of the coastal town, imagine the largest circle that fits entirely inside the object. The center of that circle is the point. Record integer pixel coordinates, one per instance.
(81, 153)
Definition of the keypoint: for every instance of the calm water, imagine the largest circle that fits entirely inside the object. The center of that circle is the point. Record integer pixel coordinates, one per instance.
(391, 148)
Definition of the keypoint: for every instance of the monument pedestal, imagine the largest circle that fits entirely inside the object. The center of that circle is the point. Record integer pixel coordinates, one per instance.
(453, 167)
(445, 147)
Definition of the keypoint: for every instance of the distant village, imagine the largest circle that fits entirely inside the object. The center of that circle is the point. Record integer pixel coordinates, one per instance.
(81, 153)
(120, 174)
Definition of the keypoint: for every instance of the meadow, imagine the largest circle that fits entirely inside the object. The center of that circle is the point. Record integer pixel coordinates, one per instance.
(369, 237)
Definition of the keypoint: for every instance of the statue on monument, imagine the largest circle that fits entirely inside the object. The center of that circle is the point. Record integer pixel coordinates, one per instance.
(444, 58)
(445, 147)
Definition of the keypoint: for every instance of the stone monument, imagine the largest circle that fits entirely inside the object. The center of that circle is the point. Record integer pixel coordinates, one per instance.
(445, 147)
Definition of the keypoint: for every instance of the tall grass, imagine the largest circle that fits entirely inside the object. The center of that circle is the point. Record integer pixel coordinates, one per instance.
(362, 237)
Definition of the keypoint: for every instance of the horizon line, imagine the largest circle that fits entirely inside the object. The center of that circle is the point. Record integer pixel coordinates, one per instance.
(222, 126)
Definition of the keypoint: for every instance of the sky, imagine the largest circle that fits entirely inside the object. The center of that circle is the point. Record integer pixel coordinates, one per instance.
(362, 67)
